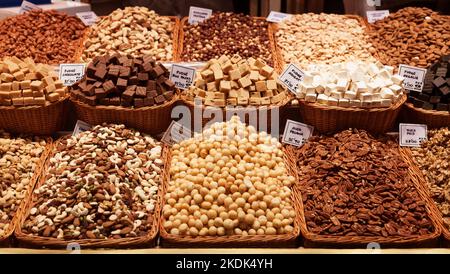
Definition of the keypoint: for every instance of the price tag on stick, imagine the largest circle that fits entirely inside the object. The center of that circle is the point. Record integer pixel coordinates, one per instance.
(70, 73)
(412, 135)
(375, 15)
(197, 14)
(88, 17)
(292, 76)
(176, 133)
(183, 77)
(296, 133)
(28, 6)
(277, 17)
(413, 77)
(80, 126)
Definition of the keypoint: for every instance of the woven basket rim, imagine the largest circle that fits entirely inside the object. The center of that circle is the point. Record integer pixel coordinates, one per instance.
(363, 240)
(272, 44)
(126, 109)
(33, 180)
(41, 241)
(230, 240)
(316, 105)
(443, 113)
(24, 108)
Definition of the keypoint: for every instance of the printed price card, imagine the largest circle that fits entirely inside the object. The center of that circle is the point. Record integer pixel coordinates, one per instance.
(375, 15)
(183, 77)
(277, 17)
(80, 126)
(197, 14)
(291, 77)
(28, 6)
(70, 73)
(413, 77)
(296, 133)
(88, 17)
(176, 133)
(412, 135)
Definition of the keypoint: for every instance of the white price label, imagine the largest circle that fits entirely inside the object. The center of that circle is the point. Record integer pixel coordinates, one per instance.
(375, 15)
(277, 17)
(80, 126)
(70, 73)
(28, 6)
(413, 77)
(296, 133)
(181, 76)
(176, 133)
(197, 15)
(412, 135)
(292, 76)
(88, 17)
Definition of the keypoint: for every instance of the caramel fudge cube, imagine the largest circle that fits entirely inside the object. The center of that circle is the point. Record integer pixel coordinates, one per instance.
(36, 85)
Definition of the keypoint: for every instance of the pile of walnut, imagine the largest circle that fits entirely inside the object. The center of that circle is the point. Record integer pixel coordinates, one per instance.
(237, 81)
(433, 158)
(100, 184)
(19, 159)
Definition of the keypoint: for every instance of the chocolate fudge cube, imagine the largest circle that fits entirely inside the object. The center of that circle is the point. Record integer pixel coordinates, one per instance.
(442, 107)
(141, 92)
(151, 85)
(149, 101)
(100, 93)
(100, 73)
(124, 72)
(152, 93)
(435, 99)
(121, 84)
(438, 82)
(115, 101)
(109, 86)
(169, 84)
(138, 102)
(168, 95)
(142, 77)
(133, 80)
(160, 99)
(104, 101)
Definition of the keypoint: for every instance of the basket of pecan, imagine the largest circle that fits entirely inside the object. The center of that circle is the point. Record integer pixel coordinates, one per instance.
(357, 190)
(99, 189)
(20, 166)
(135, 91)
(432, 160)
(224, 207)
(32, 98)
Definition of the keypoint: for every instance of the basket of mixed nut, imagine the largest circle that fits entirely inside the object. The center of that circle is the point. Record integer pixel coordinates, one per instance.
(21, 161)
(358, 191)
(99, 189)
(213, 199)
(135, 91)
(32, 98)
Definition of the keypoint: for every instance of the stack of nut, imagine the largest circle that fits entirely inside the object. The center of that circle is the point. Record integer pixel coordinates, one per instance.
(120, 80)
(227, 33)
(351, 84)
(19, 159)
(236, 81)
(433, 158)
(412, 36)
(100, 184)
(133, 30)
(47, 37)
(24, 83)
(323, 38)
(230, 180)
(355, 185)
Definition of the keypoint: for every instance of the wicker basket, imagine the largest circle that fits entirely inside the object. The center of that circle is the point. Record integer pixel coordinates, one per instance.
(328, 241)
(176, 28)
(184, 21)
(279, 60)
(233, 241)
(26, 240)
(330, 119)
(152, 120)
(268, 111)
(431, 118)
(445, 239)
(7, 238)
(36, 120)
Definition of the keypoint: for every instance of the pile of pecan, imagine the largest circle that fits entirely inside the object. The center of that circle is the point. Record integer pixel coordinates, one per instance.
(355, 185)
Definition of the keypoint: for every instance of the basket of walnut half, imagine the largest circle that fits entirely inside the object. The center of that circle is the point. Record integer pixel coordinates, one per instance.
(227, 86)
(32, 98)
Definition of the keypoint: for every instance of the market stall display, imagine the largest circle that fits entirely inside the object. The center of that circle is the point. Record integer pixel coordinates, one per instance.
(411, 36)
(99, 189)
(245, 199)
(322, 38)
(133, 30)
(225, 33)
(357, 189)
(117, 88)
(48, 37)
(20, 165)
